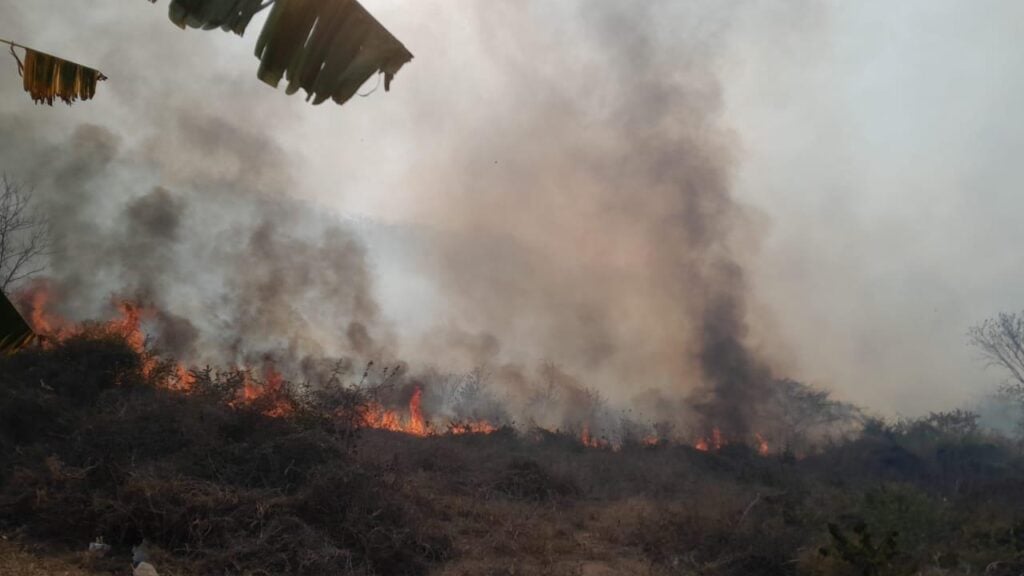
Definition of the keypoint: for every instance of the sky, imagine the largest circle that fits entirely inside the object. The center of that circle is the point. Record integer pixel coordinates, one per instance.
(866, 152)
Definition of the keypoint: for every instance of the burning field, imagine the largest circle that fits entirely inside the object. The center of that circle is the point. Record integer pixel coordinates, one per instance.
(248, 470)
(545, 308)
(430, 403)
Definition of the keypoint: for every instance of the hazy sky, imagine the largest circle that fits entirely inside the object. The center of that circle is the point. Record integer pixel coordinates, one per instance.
(874, 150)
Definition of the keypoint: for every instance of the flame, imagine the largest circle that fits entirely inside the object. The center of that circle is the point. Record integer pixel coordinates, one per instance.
(270, 394)
(762, 445)
(715, 442)
(471, 427)
(376, 416)
(36, 301)
(589, 440)
(128, 323)
(417, 425)
(183, 379)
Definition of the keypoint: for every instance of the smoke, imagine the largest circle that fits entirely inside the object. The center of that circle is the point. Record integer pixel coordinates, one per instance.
(577, 225)
(593, 223)
(237, 270)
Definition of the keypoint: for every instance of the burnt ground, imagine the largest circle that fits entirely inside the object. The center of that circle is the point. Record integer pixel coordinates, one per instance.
(91, 447)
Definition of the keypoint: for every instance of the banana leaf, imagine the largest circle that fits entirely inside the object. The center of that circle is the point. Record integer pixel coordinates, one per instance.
(15, 333)
(228, 15)
(47, 77)
(329, 48)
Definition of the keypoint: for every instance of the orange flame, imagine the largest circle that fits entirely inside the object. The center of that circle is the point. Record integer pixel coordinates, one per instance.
(270, 394)
(762, 445)
(471, 427)
(417, 425)
(589, 440)
(36, 300)
(715, 442)
(183, 379)
(129, 323)
(375, 416)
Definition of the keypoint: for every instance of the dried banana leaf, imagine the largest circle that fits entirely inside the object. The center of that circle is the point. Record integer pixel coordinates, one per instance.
(228, 15)
(15, 333)
(47, 77)
(329, 48)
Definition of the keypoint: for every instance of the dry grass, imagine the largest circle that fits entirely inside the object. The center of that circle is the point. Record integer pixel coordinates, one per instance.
(16, 561)
(224, 490)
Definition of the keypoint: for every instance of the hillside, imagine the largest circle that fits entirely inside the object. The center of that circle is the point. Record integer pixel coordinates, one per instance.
(94, 444)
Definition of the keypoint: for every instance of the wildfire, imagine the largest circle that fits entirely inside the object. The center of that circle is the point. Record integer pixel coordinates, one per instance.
(36, 301)
(651, 440)
(716, 441)
(183, 379)
(587, 439)
(269, 395)
(417, 425)
(377, 417)
(128, 323)
(471, 427)
(762, 445)
(52, 328)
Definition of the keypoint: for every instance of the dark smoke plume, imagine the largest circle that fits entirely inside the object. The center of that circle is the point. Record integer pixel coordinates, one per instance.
(577, 209)
(593, 223)
(237, 271)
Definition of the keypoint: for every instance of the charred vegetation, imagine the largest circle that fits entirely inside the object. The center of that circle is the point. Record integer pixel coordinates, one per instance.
(98, 441)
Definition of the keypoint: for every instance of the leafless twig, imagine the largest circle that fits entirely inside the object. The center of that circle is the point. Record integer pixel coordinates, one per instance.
(24, 234)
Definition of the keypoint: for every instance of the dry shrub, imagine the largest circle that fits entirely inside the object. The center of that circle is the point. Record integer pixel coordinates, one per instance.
(44, 387)
(754, 540)
(525, 479)
(225, 488)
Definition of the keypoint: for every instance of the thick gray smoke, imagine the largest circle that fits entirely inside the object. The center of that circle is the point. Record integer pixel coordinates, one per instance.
(581, 213)
(593, 220)
(236, 270)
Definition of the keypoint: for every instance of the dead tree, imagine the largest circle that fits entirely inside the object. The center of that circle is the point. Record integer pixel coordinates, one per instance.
(1001, 342)
(24, 234)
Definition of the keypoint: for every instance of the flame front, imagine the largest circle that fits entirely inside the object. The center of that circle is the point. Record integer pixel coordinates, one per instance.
(377, 417)
(52, 328)
(269, 392)
(714, 442)
(762, 445)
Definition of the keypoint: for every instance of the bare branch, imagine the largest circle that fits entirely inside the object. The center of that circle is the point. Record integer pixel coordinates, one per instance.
(24, 234)
(1001, 343)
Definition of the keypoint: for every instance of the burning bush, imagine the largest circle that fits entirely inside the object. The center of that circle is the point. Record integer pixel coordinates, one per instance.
(242, 471)
(103, 449)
